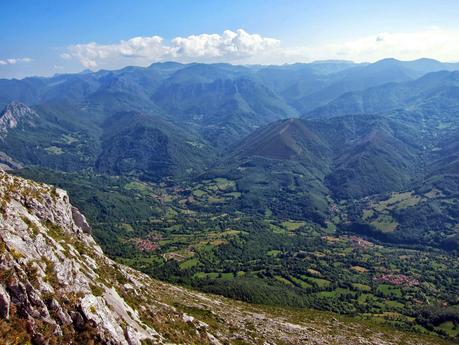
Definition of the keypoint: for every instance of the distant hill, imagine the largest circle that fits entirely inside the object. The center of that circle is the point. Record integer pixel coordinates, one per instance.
(434, 92)
(141, 145)
(364, 76)
(346, 155)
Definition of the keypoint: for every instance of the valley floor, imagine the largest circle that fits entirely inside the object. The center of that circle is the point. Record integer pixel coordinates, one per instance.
(57, 287)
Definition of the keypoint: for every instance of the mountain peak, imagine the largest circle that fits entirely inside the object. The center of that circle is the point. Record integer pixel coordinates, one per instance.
(429, 60)
(17, 107)
(388, 61)
(284, 140)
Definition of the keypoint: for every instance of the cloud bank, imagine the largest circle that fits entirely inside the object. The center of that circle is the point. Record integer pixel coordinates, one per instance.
(229, 46)
(242, 47)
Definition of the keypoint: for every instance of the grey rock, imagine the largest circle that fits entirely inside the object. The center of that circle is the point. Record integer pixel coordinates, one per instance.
(13, 114)
(57, 269)
(80, 220)
(77, 320)
(5, 303)
(39, 339)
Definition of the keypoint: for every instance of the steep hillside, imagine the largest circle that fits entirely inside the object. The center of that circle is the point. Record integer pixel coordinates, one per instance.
(287, 139)
(149, 147)
(15, 114)
(56, 286)
(50, 138)
(225, 102)
(343, 157)
(425, 213)
(372, 154)
(130, 143)
(281, 168)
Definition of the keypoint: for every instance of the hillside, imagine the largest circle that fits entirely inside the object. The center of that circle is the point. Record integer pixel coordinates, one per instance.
(149, 147)
(434, 93)
(131, 142)
(57, 286)
(341, 157)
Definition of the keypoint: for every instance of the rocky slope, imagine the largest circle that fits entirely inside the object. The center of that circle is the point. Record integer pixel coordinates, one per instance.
(57, 287)
(13, 114)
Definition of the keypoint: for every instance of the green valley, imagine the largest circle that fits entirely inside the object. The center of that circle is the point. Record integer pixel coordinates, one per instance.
(199, 236)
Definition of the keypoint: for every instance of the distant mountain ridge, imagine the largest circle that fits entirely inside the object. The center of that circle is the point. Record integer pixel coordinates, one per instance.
(200, 111)
(220, 91)
(431, 92)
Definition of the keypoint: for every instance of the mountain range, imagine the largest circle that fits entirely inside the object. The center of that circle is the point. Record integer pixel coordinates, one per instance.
(249, 180)
(383, 127)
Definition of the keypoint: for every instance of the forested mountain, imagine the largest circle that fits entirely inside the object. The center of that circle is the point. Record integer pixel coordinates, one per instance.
(347, 157)
(221, 103)
(434, 94)
(149, 147)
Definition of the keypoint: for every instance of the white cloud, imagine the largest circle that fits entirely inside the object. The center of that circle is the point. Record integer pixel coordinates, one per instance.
(13, 61)
(242, 47)
(230, 46)
(136, 48)
(66, 56)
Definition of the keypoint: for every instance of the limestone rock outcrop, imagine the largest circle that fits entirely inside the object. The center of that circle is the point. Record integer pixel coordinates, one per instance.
(13, 114)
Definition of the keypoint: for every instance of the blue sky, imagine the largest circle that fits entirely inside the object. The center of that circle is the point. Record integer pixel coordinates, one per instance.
(46, 37)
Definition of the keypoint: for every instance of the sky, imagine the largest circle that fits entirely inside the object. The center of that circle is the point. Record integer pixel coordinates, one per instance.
(42, 38)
